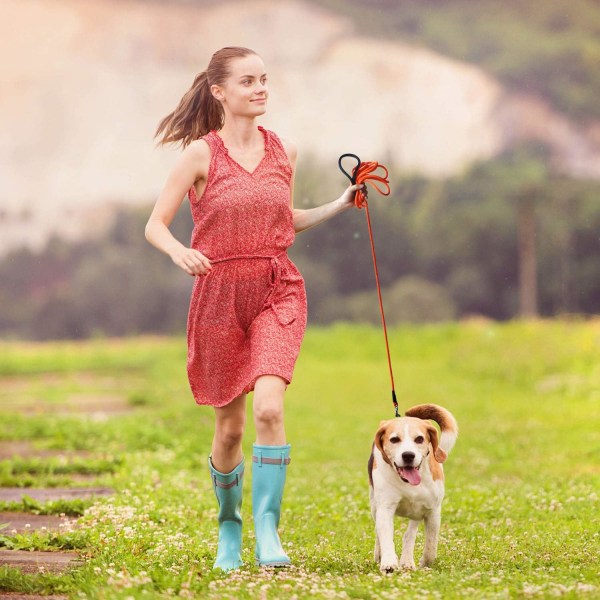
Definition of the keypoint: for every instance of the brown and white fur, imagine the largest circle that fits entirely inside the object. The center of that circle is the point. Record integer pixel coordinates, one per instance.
(407, 479)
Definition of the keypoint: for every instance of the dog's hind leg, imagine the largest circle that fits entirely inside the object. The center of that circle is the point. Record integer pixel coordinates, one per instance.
(432, 529)
(377, 549)
(407, 558)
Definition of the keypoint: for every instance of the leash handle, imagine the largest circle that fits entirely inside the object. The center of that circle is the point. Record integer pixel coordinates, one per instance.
(352, 177)
(363, 173)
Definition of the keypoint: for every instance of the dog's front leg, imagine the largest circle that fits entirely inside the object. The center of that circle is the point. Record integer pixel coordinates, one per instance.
(407, 558)
(432, 529)
(384, 525)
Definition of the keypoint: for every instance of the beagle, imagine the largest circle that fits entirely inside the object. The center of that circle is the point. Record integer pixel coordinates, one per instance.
(407, 479)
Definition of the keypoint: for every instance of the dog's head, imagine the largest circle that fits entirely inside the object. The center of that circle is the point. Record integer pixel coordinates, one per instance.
(405, 442)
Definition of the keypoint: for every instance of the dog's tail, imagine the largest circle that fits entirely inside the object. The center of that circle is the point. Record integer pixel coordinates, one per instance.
(443, 417)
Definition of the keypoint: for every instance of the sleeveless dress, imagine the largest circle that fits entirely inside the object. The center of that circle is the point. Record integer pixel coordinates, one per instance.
(247, 317)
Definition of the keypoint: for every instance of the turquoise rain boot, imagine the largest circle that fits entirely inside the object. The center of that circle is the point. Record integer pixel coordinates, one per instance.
(269, 465)
(228, 490)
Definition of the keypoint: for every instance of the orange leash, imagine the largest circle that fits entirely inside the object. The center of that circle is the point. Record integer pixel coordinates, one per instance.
(364, 173)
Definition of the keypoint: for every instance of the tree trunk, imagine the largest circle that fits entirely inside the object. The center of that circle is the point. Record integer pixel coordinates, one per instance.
(528, 301)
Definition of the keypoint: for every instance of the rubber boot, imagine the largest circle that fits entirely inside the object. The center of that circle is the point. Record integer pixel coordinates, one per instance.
(269, 466)
(228, 490)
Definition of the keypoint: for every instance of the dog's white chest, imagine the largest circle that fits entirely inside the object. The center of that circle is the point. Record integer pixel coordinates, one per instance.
(418, 503)
(413, 502)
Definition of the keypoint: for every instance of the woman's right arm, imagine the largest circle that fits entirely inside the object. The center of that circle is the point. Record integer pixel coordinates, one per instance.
(191, 165)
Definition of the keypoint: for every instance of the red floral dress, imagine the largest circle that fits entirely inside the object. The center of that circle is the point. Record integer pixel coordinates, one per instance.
(247, 317)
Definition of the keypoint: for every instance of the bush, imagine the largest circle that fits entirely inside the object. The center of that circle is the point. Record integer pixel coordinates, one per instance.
(411, 299)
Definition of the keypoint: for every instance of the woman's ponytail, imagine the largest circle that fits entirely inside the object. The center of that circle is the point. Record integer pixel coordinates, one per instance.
(199, 111)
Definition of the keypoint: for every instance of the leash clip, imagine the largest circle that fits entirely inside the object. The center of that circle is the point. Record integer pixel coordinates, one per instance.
(395, 403)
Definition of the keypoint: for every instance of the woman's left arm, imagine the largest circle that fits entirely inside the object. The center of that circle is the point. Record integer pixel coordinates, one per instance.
(306, 218)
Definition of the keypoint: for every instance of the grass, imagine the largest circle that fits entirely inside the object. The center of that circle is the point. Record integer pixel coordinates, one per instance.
(520, 518)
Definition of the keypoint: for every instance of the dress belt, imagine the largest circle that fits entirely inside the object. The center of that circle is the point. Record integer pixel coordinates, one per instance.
(277, 269)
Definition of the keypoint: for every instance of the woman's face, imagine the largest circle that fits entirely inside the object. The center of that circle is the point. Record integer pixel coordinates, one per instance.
(244, 92)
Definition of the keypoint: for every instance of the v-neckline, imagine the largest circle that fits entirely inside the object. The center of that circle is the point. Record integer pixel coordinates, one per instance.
(260, 162)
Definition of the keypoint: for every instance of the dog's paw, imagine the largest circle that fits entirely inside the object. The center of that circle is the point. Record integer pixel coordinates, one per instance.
(389, 565)
(408, 565)
(426, 562)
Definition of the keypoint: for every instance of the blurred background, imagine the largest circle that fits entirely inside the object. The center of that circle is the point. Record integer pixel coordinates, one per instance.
(486, 113)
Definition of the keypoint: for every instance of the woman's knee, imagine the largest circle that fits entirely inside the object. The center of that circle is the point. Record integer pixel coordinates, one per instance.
(230, 434)
(230, 422)
(268, 401)
(268, 411)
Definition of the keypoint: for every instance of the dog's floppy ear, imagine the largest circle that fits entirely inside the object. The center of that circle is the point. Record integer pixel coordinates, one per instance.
(379, 440)
(438, 452)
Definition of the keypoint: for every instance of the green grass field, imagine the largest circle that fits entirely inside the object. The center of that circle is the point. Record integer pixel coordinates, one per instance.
(521, 513)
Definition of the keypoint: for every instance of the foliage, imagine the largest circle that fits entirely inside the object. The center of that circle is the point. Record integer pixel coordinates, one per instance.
(409, 300)
(523, 394)
(545, 47)
(110, 285)
(461, 233)
(458, 235)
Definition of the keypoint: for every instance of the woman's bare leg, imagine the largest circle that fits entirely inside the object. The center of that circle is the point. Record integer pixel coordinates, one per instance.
(229, 429)
(269, 392)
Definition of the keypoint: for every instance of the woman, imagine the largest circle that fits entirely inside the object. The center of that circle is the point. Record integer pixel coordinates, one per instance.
(247, 312)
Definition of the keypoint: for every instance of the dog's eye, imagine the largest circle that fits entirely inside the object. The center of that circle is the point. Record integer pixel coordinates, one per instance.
(419, 439)
(394, 440)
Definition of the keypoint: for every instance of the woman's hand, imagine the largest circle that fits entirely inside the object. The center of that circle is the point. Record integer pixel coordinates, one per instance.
(346, 200)
(191, 261)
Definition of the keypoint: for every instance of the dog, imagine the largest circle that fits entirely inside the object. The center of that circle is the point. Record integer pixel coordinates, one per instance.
(406, 478)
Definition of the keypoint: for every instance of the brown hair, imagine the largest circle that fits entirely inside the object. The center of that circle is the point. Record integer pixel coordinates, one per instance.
(199, 111)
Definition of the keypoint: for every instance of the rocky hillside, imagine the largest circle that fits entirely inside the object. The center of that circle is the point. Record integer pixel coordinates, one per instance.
(84, 85)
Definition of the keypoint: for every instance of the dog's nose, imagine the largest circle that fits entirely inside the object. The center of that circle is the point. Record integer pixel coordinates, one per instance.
(408, 457)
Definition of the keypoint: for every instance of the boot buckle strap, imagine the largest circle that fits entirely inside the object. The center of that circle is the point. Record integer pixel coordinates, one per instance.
(262, 460)
(227, 486)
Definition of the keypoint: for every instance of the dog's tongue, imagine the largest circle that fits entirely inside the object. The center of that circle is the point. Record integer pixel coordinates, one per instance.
(411, 475)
